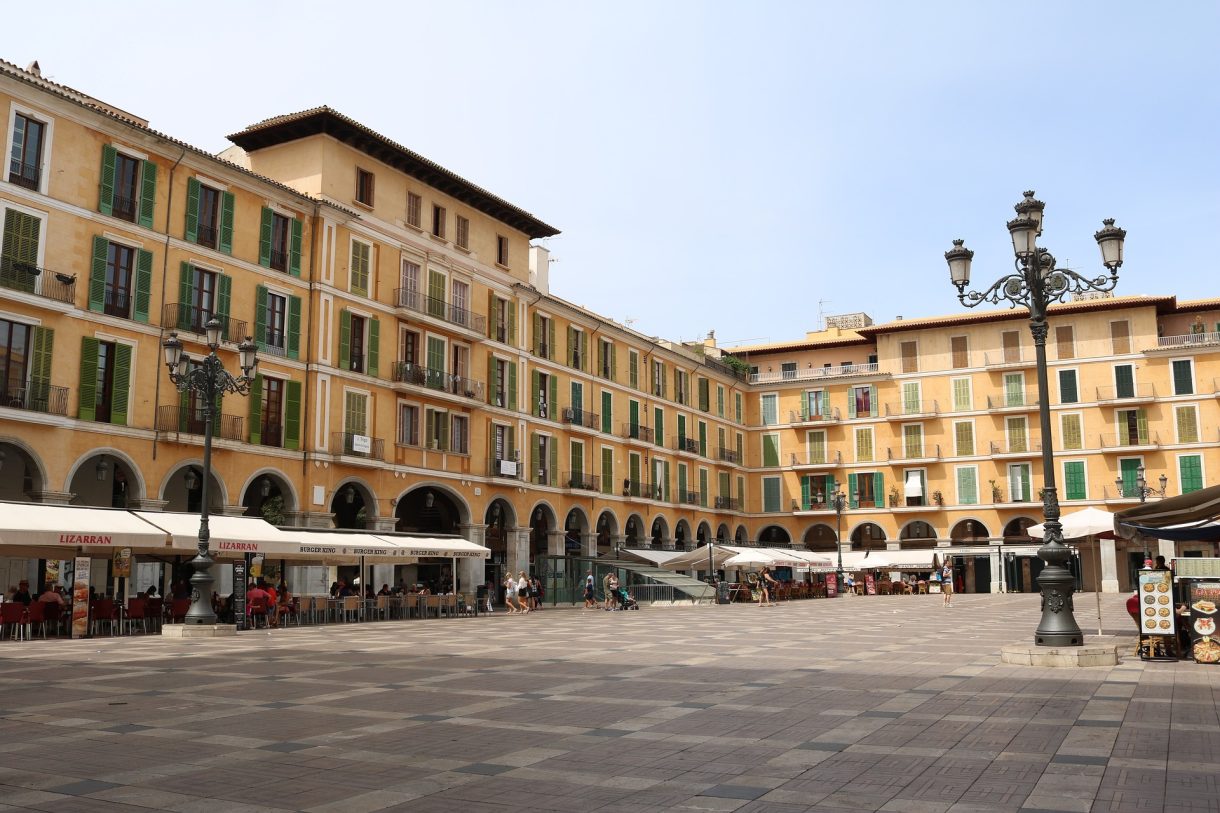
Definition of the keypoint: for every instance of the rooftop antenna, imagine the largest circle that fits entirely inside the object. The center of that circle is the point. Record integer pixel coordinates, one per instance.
(822, 312)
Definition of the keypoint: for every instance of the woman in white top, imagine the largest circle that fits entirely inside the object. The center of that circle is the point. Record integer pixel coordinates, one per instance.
(523, 591)
(510, 593)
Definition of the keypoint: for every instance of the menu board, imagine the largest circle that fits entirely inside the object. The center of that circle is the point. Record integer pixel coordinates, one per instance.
(870, 584)
(1156, 602)
(832, 585)
(80, 597)
(1203, 597)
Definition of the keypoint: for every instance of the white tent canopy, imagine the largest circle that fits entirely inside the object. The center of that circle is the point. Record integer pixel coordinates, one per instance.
(1079, 524)
(750, 557)
(70, 527)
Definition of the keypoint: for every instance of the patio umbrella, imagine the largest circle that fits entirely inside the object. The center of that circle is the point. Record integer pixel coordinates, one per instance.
(1087, 522)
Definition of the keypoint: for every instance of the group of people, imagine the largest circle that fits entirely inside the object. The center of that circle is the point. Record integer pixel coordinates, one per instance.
(523, 593)
(272, 601)
(21, 593)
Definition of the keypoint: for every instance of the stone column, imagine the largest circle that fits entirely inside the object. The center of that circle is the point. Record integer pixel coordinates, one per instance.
(317, 519)
(667, 543)
(51, 497)
(470, 571)
(996, 560)
(617, 543)
(517, 553)
(147, 505)
(588, 545)
(384, 524)
(554, 543)
(1109, 566)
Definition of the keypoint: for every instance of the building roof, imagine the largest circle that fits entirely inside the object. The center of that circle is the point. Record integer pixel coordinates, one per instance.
(846, 339)
(327, 121)
(128, 120)
(1063, 309)
(1190, 305)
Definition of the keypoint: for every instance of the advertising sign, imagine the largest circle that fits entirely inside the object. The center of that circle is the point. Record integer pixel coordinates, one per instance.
(1202, 599)
(870, 584)
(122, 563)
(832, 585)
(1156, 602)
(239, 594)
(362, 444)
(80, 597)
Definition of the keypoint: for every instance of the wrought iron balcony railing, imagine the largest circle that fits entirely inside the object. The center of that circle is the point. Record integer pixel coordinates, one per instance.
(506, 467)
(636, 432)
(727, 455)
(640, 489)
(408, 372)
(690, 445)
(581, 417)
(37, 397)
(349, 443)
(414, 300)
(23, 174)
(580, 480)
(190, 421)
(727, 504)
(19, 275)
(180, 316)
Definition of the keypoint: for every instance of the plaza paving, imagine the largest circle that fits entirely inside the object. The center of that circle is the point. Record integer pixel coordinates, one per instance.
(881, 703)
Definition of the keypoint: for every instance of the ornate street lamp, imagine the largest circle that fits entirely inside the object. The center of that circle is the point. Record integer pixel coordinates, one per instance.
(1141, 488)
(209, 381)
(1035, 284)
(838, 500)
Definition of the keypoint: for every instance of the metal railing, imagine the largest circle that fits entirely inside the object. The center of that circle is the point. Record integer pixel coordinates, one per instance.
(1018, 399)
(814, 459)
(272, 434)
(1187, 340)
(640, 489)
(1027, 446)
(806, 415)
(1007, 359)
(24, 175)
(727, 455)
(19, 275)
(580, 480)
(726, 504)
(278, 260)
(690, 498)
(205, 235)
(125, 208)
(901, 408)
(815, 374)
(180, 316)
(655, 593)
(1141, 391)
(414, 300)
(637, 432)
(923, 453)
(1127, 440)
(185, 420)
(408, 372)
(346, 443)
(581, 417)
(506, 467)
(690, 445)
(37, 397)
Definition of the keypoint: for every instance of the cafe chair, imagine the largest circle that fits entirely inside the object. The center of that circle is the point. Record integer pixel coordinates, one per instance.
(137, 613)
(103, 613)
(257, 610)
(13, 617)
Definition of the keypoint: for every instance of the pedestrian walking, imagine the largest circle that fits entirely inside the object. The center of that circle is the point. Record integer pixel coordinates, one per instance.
(590, 595)
(946, 583)
(607, 600)
(510, 594)
(523, 591)
(765, 584)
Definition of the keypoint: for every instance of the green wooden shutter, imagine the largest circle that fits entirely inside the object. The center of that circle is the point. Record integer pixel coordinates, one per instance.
(572, 348)
(770, 450)
(826, 404)
(1073, 479)
(537, 335)
(666, 495)
(345, 340)
(40, 369)
(264, 237)
(851, 402)
(493, 313)
(106, 197)
(260, 315)
(1141, 425)
(88, 379)
(704, 395)
(1014, 389)
(143, 281)
(186, 287)
(374, 350)
(294, 247)
(1124, 381)
(1067, 387)
(224, 301)
(294, 326)
(658, 426)
(97, 274)
(148, 194)
(512, 386)
(535, 458)
(1188, 424)
(21, 233)
(607, 416)
(607, 470)
(872, 400)
(226, 222)
(553, 401)
(1129, 471)
(613, 362)
(535, 400)
(493, 380)
(806, 496)
(292, 415)
(910, 397)
(771, 494)
(256, 410)
(121, 390)
(853, 495)
(577, 397)
(1183, 381)
(879, 488)
(192, 210)
(550, 338)
(1190, 473)
(1071, 432)
(967, 486)
(681, 431)
(512, 321)
(961, 393)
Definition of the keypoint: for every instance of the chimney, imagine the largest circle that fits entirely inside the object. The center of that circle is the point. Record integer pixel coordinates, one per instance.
(540, 268)
(34, 68)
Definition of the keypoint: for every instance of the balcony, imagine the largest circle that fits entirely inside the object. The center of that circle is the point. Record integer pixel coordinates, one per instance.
(1008, 361)
(688, 445)
(1024, 400)
(190, 421)
(816, 460)
(911, 409)
(727, 455)
(1128, 441)
(633, 431)
(18, 275)
(1144, 393)
(690, 498)
(638, 489)
(805, 416)
(817, 374)
(726, 504)
(125, 208)
(1029, 447)
(408, 372)
(178, 316)
(904, 454)
(272, 434)
(582, 482)
(508, 468)
(278, 260)
(581, 417)
(205, 235)
(413, 300)
(349, 443)
(1186, 342)
(37, 397)
(24, 175)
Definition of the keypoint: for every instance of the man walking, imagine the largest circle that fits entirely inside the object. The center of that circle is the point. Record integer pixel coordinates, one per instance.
(609, 600)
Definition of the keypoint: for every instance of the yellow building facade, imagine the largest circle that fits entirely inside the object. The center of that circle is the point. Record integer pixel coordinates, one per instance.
(417, 374)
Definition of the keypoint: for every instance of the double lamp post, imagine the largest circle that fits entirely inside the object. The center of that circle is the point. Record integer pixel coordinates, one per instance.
(207, 382)
(1035, 283)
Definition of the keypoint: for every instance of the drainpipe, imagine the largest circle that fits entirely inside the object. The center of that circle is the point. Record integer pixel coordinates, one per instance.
(164, 278)
(313, 255)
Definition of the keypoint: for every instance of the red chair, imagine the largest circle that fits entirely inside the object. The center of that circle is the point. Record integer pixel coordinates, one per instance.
(179, 609)
(154, 612)
(53, 613)
(36, 616)
(137, 612)
(102, 612)
(13, 620)
(257, 610)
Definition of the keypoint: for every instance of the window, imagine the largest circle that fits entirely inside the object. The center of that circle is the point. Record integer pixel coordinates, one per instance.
(415, 205)
(771, 494)
(459, 434)
(280, 242)
(1128, 472)
(914, 488)
(359, 342)
(703, 438)
(817, 405)
(542, 394)
(770, 450)
(461, 228)
(1014, 389)
(909, 354)
(120, 266)
(209, 216)
(436, 294)
(576, 348)
(682, 389)
(1065, 343)
(1010, 341)
(355, 414)
(658, 378)
(1074, 486)
(633, 369)
(1017, 430)
(607, 470)
(864, 444)
(912, 441)
(1068, 391)
(1018, 482)
(606, 364)
(25, 160)
(408, 425)
(408, 347)
(16, 350)
(408, 280)
(503, 443)
(967, 485)
(459, 301)
(19, 255)
(1124, 381)
(658, 426)
(788, 370)
(769, 408)
(438, 221)
(1183, 377)
(1071, 431)
(275, 322)
(1186, 418)
(959, 349)
(544, 461)
(815, 446)
(355, 356)
(1120, 337)
(275, 413)
(501, 250)
(862, 402)
(963, 397)
(126, 202)
(105, 379)
(544, 336)
(271, 411)
(963, 434)
(865, 489)
(1132, 427)
(911, 401)
(204, 298)
(364, 187)
(503, 320)
(607, 411)
(362, 254)
(737, 406)
(720, 401)
(1190, 472)
(436, 429)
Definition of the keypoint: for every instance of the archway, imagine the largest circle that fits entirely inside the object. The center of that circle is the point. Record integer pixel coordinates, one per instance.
(353, 505)
(722, 533)
(635, 531)
(868, 536)
(969, 532)
(21, 471)
(659, 533)
(542, 522)
(740, 537)
(182, 489)
(575, 527)
(607, 534)
(917, 534)
(682, 540)
(106, 479)
(703, 535)
(773, 536)
(821, 537)
(1017, 529)
(269, 495)
(428, 510)
(499, 518)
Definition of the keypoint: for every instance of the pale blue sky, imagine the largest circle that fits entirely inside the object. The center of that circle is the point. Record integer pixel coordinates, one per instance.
(725, 165)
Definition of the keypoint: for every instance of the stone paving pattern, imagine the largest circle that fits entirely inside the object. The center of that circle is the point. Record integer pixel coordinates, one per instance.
(880, 703)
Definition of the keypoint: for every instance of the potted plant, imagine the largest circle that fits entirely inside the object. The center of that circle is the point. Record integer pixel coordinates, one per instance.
(938, 498)
(894, 496)
(996, 496)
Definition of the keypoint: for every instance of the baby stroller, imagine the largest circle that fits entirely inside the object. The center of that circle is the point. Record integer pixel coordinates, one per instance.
(625, 601)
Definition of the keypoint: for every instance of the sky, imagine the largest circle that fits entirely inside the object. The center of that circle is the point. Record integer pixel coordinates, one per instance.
(738, 167)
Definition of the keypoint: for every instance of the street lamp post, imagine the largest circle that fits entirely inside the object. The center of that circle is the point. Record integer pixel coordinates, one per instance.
(210, 381)
(1035, 284)
(839, 501)
(1143, 491)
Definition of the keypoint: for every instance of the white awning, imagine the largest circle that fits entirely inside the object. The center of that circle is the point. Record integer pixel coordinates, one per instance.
(70, 527)
(448, 547)
(227, 536)
(914, 485)
(749, 557)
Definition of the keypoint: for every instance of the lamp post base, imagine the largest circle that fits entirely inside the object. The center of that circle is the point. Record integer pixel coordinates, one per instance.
(1098, 653)
(198, 630)
(1058, 626)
